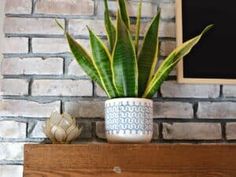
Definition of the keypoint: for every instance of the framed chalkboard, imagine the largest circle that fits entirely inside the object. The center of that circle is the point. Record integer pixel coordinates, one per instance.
(213, 60)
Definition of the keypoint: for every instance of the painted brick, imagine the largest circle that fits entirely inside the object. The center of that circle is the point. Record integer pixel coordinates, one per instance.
(35, 129)
(177, 110)
(100, 92)
(11, 170)
(18, 6)
(167, 29)
(217, 110)
(173, 89)
(55, 45)
(87, 130)
(167, 10)
(62, 88)
(75, 70)
(12, 129)
(85, 109)
(25, 108)
(14, 87)
(11, 45)
(100, 130)
(231, 131)
(79, 26)
(32, 26)
(167, 47)
(23, 66)
(11, 151)
(62, 7)
(192, 131)
(229, 90)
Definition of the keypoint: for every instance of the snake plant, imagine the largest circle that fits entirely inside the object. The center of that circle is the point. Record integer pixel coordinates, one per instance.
(122, 69)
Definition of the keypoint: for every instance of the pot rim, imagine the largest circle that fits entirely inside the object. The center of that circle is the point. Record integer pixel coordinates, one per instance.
(129, 99)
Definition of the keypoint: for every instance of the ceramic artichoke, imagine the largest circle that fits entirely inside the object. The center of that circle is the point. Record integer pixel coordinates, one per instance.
(61, 128)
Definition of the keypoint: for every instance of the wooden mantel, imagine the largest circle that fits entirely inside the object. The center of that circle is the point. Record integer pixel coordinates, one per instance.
(124, 160)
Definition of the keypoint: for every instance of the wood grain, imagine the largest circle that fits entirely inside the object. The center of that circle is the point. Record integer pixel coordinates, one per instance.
(108, 160)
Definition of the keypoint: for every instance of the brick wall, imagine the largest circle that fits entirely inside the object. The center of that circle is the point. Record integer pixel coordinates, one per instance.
(39, 76)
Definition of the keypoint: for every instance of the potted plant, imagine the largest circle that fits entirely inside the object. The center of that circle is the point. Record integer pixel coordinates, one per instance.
(128, 73)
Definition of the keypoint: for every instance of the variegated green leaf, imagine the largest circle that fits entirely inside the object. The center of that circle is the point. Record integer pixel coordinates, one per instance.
(102, 62)
(124, 63)
(147, 59)
(138, 24)
(170, 62)
(124, 13)
(110, 28)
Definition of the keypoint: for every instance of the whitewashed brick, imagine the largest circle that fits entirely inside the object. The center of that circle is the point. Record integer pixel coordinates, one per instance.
(55, 45)
(62, 88)
(192, 131)
(231, 131)
(11, 45)
(100, 92)
(32, 26)
(27, 108)
(14, 87)
(229, 90)
(18, 6)
(11, 151)
(167, 47)
(12, 129)
(24, 66)
(167, 29)
(75, 70)
(62, 7)
(36, 129)
(85, 109)
(167, 10)
(79, 26)
(173, 89)
(11, 170)
(217, 110)
(173, 110)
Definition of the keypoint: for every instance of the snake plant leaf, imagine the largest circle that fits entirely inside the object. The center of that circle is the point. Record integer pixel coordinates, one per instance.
(124, 13)
(138, 24)
(124, 62)
(102, 62)
(170, 62)
(147, 59)
(83, 59)
(110, 28)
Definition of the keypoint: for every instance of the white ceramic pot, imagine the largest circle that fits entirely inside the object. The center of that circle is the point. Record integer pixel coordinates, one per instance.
(129, 120)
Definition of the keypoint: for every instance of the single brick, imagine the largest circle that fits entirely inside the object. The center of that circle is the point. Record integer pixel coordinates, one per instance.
(86, 131)
(12, 129)
(100, 130)
(167, 29)
(75, 70)
(100, 92)
(11, 151)
(85, 109)
(62, 88)
(229, 90)
(177, 110)
(217, 110)
(11, 45)
(167, 47)
(62, 7)
(167, 10)
(231, 131)
(32, 26)
(18, 6)
(14, 87)
(192, 131)
(26, 108)
(35, 129)
(79, 26)
(173, 89)
(11, 170)
(23, 66)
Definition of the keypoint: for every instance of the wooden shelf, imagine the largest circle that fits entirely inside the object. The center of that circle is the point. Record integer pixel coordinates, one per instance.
(124, 160)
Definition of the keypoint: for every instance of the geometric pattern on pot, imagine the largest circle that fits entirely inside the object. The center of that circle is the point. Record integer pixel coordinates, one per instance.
(129, 116)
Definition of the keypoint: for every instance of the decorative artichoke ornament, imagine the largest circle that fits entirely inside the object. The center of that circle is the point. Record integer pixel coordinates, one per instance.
(61, 128)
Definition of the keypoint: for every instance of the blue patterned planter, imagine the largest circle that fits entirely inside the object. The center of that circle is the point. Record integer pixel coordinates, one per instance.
(129, 120)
